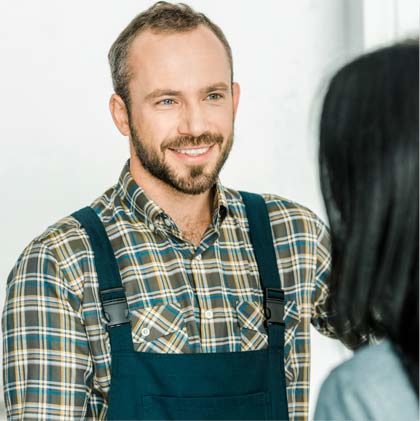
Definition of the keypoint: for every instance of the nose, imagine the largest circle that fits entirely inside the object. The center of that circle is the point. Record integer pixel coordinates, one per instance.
(193, 121)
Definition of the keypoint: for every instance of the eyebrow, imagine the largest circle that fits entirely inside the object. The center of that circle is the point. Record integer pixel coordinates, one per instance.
(162, 92)
(157, 93)
(221, 86)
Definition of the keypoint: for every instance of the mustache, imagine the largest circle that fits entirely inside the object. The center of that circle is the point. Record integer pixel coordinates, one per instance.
(185, 141)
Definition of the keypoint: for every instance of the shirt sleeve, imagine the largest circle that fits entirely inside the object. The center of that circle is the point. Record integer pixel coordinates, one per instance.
(321, 316)
(47, 366)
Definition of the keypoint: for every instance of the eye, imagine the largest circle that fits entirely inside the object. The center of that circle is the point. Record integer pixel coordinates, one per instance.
(166, 101)
(214, 96)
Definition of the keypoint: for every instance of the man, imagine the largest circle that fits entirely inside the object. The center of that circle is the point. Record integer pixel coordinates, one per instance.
(165, 285)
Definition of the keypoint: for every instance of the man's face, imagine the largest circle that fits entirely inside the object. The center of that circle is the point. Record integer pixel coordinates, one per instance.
(182, 106)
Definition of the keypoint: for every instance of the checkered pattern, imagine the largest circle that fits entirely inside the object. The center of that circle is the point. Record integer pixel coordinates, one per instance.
(182, 299)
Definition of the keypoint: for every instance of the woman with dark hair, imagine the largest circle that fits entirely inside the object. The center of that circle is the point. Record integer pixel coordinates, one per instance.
(369, 163)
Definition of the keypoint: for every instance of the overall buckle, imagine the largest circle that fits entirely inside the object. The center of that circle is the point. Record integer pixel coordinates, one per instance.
(115, 307)
(274, 306)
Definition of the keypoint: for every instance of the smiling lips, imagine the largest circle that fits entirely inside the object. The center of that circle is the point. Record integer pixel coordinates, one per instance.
(193, 151)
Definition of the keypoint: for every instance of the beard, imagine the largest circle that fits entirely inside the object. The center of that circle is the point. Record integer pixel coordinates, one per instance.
(198, 180)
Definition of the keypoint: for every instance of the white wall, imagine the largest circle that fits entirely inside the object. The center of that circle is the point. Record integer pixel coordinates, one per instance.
(387, 20)
(60, 150)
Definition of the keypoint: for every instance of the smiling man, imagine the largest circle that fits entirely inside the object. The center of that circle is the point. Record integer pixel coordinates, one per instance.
(171, 296)
(176, 101)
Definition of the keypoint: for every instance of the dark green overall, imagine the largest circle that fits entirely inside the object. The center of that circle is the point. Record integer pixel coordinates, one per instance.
(247, 385)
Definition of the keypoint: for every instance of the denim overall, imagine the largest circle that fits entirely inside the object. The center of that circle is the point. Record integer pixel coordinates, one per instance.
(247, 385)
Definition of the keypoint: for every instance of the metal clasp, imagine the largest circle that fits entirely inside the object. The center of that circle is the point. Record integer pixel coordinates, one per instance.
(274, 306)
(115, 307)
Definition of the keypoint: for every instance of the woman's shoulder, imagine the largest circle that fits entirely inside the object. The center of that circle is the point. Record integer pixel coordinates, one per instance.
(370, 363)
(371, 385)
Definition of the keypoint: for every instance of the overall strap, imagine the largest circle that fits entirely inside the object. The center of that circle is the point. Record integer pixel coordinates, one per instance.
(111, 291)
(262, 242)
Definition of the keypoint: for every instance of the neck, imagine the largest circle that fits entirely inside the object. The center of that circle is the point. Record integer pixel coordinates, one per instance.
(188, 211)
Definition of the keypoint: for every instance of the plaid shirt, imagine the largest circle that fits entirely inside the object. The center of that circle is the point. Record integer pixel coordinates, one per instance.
(182, 299)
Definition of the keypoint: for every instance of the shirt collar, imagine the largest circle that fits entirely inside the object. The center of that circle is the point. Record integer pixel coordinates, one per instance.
(145, 210)
(220, 205)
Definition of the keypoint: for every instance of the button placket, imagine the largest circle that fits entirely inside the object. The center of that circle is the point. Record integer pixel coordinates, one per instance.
(208, 314)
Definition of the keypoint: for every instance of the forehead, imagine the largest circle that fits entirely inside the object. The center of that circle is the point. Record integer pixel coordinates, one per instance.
(181, 60)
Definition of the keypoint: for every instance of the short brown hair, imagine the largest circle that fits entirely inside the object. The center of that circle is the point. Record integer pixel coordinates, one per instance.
(161, 17)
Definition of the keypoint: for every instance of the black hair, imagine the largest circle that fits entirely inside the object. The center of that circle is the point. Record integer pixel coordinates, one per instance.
(369, 171)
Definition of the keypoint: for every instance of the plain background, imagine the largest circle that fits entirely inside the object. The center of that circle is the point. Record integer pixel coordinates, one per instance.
(60, 150)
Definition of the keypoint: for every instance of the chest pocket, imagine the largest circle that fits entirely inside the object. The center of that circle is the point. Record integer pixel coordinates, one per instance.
(160, 329)
(251, 323)
(291, 319)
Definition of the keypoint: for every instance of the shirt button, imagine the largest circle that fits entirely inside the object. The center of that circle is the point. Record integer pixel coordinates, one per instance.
(151, 227)
(197, 257)
(167, 222)
(145, 332)
(208, 314)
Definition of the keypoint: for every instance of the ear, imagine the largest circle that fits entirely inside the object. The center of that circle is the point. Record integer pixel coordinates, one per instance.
(236, 93)
(119, 114)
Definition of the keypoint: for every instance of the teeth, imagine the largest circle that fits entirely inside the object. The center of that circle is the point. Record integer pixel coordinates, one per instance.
(193, 152)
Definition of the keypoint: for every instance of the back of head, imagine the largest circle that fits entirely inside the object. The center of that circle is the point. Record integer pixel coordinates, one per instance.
(369, 178)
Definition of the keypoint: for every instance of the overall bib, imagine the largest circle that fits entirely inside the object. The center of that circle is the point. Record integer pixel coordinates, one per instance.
(247, 385)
